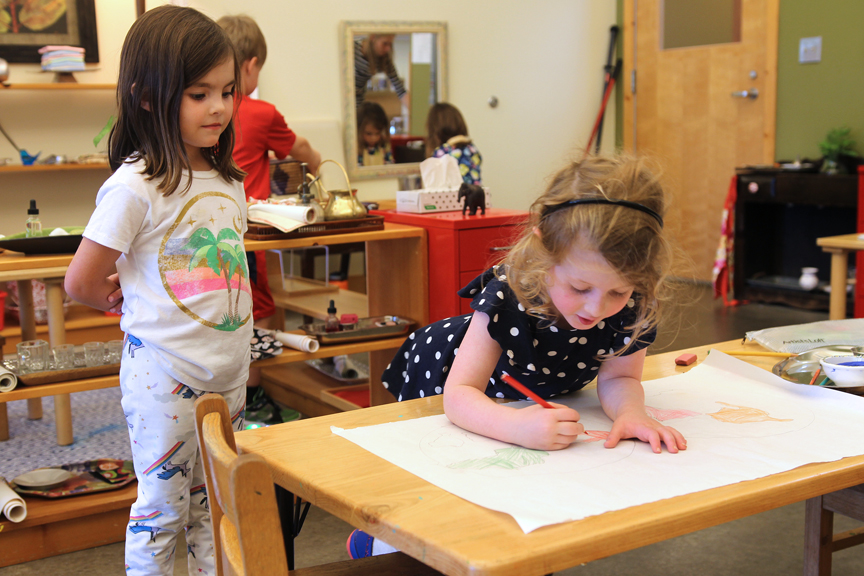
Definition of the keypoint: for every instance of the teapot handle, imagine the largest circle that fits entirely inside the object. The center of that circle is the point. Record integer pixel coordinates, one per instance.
(323, 191)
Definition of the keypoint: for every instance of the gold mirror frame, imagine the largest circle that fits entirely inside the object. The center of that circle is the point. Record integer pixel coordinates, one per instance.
(347, 31)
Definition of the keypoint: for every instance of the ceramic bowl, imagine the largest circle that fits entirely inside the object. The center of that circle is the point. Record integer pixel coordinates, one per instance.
(43, 478)
(844, 371)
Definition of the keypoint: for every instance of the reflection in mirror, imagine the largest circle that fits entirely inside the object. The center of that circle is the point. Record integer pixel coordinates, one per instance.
(392, 73)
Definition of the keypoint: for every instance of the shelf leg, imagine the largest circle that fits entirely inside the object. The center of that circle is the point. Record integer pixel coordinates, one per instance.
(27, 314)
(4, 423)
(57, 336)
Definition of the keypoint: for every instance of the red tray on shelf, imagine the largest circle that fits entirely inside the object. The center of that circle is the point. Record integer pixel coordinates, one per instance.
(366, 224)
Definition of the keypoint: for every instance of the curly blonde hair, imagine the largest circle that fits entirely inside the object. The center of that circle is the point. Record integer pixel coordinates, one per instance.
(631, 240)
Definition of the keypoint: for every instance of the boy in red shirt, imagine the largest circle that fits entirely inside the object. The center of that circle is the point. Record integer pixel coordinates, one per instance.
(260, 131)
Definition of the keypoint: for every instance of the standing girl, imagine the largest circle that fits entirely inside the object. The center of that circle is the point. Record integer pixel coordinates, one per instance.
(373, 136)
(447, 134)
(172, 217)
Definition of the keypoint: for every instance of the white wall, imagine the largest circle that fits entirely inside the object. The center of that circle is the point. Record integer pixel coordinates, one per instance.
(543, 60)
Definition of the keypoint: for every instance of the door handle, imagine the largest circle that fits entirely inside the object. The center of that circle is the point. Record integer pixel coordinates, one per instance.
(753, 93)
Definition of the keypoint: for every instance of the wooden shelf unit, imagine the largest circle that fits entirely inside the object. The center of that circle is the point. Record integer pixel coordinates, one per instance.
(20, 168)
(62, 525)
(396, 269)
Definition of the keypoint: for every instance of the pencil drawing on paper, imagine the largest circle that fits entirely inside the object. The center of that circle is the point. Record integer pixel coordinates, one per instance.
(507, 458)
(743, 415)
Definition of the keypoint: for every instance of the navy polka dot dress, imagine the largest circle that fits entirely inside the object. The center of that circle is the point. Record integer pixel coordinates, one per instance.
(548, 359)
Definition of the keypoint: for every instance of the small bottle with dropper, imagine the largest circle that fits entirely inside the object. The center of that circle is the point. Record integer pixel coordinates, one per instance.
(332, 322)
(33, 226)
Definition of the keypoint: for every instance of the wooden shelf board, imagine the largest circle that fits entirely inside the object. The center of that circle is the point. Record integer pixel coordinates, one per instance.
(57, 86)
(289, 355)
(391, 232)
(302, 388)
(52, 167)
(78, 317)
(316, 304)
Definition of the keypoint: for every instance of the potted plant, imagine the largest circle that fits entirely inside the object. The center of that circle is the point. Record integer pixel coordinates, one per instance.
(838, 150)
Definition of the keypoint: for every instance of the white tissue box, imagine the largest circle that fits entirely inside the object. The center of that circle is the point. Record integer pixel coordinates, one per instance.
(424, 201)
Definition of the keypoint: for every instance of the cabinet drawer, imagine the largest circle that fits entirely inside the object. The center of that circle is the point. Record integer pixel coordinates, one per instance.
(477, 246)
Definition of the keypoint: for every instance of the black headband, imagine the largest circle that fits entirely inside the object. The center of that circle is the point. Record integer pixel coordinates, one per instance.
(626, 203)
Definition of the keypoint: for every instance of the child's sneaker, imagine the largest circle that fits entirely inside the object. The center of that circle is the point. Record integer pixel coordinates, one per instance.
(262, 410)
(359, 544)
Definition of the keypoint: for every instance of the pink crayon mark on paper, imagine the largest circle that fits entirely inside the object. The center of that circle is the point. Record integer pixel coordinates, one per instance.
(663, 415)
(595, 435)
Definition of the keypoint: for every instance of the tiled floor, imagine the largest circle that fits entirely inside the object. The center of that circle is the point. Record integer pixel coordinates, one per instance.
(767, 544)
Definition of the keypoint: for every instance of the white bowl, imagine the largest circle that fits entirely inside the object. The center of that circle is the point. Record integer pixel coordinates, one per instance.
(844, 371)
(42, 478)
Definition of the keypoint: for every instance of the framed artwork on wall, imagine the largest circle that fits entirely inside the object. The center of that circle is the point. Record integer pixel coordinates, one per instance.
(27, 25)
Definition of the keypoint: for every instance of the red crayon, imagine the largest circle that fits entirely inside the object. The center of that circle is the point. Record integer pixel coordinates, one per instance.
(521, 388)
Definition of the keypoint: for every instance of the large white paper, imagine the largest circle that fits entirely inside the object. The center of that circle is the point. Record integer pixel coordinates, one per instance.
(740, 422)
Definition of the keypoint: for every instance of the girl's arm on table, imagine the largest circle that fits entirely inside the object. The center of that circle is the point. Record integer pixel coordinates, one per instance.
(467, 406)
(90, 278)
(619, 388)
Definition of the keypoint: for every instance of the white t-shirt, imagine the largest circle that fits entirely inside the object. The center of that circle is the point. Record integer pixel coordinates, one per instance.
(177, 253)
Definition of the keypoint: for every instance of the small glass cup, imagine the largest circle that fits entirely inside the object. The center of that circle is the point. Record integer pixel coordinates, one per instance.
(64, 357)
(94, 353)
(113, 351)
(32, 355)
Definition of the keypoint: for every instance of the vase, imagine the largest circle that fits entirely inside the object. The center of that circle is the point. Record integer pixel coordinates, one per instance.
(808, 279)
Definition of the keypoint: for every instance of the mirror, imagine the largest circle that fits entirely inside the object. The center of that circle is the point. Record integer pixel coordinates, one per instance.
(392, 73)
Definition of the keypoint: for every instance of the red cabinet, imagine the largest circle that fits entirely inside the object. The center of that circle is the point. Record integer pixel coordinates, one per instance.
(460, 248)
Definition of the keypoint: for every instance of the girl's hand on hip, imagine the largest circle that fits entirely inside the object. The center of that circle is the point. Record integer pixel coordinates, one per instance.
(542, 428)
(646, 429)
(116, 297)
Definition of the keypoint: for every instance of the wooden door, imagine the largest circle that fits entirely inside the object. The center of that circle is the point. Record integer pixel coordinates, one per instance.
(683, 113)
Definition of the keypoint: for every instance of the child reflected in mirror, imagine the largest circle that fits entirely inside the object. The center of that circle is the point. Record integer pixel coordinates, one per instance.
(373, 136)
(447, 134)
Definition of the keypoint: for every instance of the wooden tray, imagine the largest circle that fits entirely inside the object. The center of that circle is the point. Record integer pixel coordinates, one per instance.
(367, 224)
(50, 376)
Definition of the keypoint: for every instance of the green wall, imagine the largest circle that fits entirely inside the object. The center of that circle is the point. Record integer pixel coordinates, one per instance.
(814, 98)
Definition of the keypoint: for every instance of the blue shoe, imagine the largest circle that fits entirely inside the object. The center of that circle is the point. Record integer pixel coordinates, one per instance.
(359, 544)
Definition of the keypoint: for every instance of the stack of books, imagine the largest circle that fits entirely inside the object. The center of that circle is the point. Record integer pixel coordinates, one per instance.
(62, 58)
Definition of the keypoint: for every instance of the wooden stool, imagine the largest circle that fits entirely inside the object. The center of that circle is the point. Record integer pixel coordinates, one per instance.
(819, 538)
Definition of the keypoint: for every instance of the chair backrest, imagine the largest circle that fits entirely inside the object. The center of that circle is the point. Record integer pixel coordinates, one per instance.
(247, 533)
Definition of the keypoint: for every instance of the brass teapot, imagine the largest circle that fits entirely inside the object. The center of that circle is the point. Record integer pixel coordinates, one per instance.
(340, 204)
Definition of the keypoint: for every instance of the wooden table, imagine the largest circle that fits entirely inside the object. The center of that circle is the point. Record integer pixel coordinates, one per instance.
(460, 538)
(839, 247)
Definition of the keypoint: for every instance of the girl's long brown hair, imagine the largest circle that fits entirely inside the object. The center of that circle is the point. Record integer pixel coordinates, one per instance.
(632, 242)
(166, 50)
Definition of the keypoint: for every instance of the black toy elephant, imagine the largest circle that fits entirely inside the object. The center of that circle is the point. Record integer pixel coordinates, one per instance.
(475, 197)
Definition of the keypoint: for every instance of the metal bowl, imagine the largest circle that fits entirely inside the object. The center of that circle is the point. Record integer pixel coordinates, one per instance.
(800, 368)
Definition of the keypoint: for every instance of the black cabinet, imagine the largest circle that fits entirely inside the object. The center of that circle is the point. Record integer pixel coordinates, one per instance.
(778, 216)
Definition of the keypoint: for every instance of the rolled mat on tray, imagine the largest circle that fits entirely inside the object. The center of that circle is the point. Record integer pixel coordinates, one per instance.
(297, 341)
(8, 380)
(281, 216)
(11, 504)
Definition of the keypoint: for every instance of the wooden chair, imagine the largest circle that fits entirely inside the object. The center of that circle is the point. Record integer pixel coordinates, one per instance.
(247, 532)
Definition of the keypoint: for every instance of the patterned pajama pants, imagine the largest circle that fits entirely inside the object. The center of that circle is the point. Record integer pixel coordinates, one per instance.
(171, 492)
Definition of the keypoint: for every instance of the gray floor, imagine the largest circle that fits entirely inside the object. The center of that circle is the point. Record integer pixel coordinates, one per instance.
(766, 544)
